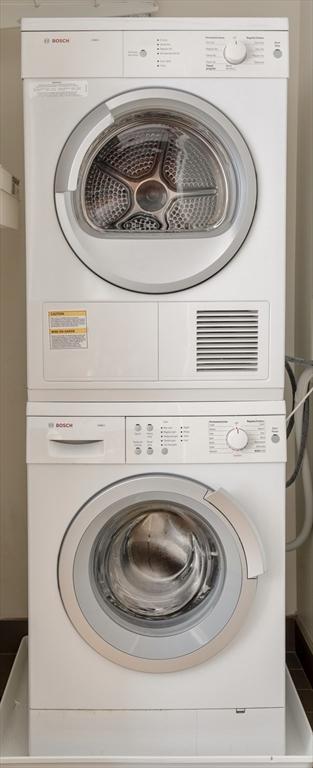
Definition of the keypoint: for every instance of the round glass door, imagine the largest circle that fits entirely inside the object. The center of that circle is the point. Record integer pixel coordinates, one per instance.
(156, 564)
(153, 575)
(155, 172)
(155, 164)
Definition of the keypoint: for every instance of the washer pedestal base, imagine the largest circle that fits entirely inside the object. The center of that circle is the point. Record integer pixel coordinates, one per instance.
(157, 732)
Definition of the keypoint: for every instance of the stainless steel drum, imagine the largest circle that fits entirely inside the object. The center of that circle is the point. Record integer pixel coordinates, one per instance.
(155, 173)
(161, 561)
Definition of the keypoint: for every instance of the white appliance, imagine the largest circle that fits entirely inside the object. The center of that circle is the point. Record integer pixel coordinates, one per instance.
(11, 12)
(155, 205)
(9, 199)
(156, 578)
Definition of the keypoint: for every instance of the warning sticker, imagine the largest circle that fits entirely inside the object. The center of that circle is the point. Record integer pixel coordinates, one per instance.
(68, 329)
(60, 88)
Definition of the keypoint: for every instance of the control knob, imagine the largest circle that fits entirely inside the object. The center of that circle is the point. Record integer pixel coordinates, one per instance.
(237, 439)
(235, 52)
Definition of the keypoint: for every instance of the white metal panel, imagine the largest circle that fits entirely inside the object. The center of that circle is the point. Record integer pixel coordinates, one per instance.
(178, 342)
(13, 10)
(72, 54)
(233, 678)
(121, 343)
(244, 408)
(189, 732)
(258, 268)
(217, 23)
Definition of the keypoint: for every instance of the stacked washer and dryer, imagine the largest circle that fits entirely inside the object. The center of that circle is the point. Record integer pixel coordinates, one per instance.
(155, 209)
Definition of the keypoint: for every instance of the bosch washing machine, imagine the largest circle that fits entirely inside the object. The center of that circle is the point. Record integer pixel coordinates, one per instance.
(155, 208)
(156, 578)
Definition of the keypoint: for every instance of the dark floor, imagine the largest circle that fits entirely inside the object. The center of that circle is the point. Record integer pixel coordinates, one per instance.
(302, 683)
(10, 643)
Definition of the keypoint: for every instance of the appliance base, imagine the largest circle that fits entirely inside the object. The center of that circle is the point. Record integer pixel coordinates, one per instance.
(157, 732)
(15, 718)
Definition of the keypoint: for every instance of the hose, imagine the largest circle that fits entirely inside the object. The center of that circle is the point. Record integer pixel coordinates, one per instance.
(293, 384)
(303, 439)
(302, 388)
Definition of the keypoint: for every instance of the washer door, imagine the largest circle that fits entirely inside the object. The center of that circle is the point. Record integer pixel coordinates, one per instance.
(157, 572)
(155, 163)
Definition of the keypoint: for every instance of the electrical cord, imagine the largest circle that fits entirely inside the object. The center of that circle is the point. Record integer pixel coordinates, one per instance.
(299, 360)
(293, 384)
(301, 413)
(304, 399)
(303, 440)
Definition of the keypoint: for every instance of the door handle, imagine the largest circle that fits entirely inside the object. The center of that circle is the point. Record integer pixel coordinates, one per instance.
(74, 441)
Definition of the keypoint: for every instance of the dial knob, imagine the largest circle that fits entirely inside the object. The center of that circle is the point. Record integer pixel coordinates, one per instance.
(235, 52)
(237, 439)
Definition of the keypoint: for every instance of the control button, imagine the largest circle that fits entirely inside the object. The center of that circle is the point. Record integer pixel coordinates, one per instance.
(235, 52)
(137, 427)
(149, 450)
(164, 451)
(277, 53)
(143, 53)
(237, 439)
(275, 438)
(137, 450)
(149, 427)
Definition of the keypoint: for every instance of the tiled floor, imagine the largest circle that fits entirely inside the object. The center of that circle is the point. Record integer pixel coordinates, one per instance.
(298, 675)
(6, 661)
(302, 684)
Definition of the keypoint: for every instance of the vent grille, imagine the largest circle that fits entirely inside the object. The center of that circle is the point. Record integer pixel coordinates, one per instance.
(227, 340)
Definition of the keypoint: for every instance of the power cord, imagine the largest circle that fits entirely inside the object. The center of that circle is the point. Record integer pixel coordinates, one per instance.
(304, 399)
(299, 416)
(299, 360)
(293, 384)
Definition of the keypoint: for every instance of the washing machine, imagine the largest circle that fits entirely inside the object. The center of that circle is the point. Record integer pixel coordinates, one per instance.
(155, 207)
(156, 578)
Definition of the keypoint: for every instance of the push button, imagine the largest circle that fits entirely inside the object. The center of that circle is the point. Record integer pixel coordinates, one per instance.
(138, 450)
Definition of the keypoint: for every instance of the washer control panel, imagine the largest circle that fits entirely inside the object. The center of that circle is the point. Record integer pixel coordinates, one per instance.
(205, 439)
(226, 53)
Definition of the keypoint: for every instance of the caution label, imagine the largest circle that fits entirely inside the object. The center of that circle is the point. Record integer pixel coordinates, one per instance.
(63, 88)
(68, 329)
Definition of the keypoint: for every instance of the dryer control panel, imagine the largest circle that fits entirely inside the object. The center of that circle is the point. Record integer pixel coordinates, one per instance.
(205, 439)
(212, 53)
(149, 53)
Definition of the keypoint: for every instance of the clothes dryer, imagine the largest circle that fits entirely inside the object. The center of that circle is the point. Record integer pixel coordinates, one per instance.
(155, 207)
(156, 578)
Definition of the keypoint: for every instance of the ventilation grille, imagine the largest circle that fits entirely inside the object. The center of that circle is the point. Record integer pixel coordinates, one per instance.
(227, 340)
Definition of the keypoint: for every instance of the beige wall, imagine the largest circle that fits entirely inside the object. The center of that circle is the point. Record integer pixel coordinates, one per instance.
(13, 566)
(13, 600)
(304, 283)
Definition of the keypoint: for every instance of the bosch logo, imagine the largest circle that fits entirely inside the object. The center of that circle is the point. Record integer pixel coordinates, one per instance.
(63, 424)
(60, 40)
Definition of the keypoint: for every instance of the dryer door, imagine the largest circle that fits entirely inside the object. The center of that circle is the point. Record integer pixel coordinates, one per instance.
(157, 572)
(155, 164)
